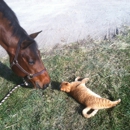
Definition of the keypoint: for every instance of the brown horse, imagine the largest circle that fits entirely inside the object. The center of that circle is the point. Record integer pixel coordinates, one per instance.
(22, 49)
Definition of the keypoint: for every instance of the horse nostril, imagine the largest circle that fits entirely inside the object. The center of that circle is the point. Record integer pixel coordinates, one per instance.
(41, 87)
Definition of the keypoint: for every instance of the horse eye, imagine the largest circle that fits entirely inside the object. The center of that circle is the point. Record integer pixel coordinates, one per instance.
(31, 62)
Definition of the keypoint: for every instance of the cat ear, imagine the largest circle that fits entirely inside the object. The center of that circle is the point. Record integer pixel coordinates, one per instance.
(66, 83)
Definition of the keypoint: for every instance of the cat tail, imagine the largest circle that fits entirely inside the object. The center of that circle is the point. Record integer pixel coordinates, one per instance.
(114, 103)
(103, 103)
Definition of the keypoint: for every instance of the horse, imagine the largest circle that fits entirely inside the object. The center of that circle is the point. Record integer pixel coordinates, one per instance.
(24, 56)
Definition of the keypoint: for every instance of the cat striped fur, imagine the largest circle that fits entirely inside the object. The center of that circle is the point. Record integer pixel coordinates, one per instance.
(85, 96)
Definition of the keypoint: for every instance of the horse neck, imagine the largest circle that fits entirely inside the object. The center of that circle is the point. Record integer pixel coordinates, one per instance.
(9, 44)
(11, 31)
(9, 40)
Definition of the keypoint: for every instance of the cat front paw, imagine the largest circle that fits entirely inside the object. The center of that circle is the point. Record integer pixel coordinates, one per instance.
(77, 79)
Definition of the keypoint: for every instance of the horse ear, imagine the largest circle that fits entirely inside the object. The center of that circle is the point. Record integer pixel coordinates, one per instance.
(25, 44)
(34, 35)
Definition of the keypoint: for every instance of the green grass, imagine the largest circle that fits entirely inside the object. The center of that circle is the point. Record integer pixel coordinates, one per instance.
(106, 63)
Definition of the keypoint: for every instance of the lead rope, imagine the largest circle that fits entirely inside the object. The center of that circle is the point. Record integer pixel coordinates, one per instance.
(12, 90)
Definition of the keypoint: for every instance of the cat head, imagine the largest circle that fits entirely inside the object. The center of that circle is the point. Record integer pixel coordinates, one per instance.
(65, 86)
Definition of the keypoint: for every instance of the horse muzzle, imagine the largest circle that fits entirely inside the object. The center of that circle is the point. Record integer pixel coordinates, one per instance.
(41, 87)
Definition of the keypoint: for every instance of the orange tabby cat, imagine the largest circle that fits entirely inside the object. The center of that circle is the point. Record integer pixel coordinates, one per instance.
(85, 96)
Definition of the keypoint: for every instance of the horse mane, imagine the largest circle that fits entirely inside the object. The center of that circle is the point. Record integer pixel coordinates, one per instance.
(10, 15)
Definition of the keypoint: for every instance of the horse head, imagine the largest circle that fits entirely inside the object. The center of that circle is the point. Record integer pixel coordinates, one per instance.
(27, 62)
(23, 51)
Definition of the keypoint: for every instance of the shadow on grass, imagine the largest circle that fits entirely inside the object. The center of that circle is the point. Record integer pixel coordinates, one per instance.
(10, 76)
(55, 85)
(79, 109)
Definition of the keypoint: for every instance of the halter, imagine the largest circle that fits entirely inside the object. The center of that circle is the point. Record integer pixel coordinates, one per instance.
(15, 62)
